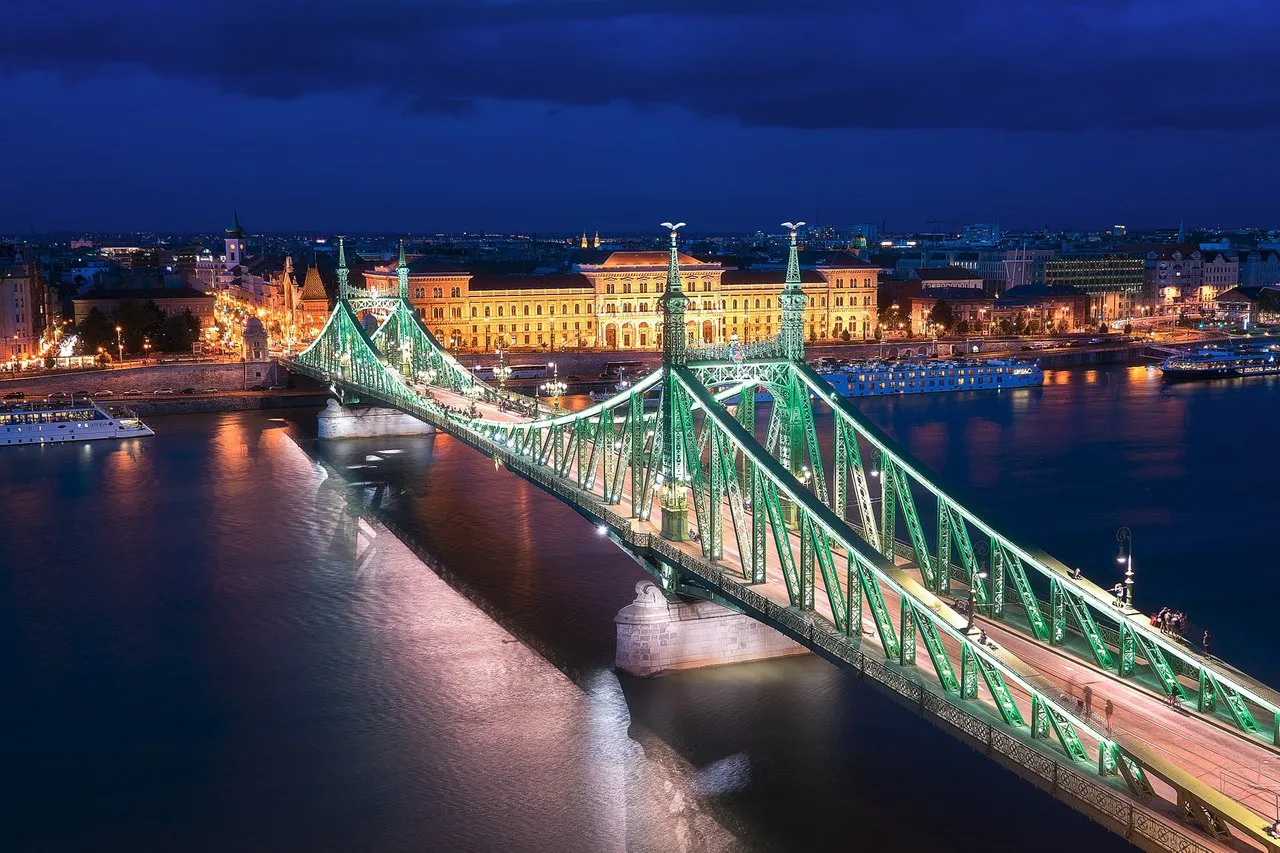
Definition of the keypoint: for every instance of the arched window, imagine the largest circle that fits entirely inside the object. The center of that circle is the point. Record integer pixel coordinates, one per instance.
(526, 310)
(757, 304)
(626, 287)
(735, 305)
(499, 311)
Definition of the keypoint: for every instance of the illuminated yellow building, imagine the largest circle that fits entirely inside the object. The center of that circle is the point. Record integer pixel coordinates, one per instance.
(614, 304)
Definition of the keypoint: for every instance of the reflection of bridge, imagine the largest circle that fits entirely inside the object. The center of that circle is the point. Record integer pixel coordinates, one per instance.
(804, 535)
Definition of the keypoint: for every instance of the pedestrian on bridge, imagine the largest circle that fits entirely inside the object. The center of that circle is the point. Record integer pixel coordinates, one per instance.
(1207, 642)
(1109, 710)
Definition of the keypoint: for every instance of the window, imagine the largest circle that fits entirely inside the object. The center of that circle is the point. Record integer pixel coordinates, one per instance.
(706, 287)
(486, 311)
(455, 293)
(608, 288)
(644, 287)
(539, 311)
(626, 287)
(526, 310)
(735, 305)
(473, 312)
(576, 307)
(437, 292)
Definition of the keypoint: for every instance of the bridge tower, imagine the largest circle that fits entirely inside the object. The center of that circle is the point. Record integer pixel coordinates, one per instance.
(672, 494)
(402, 274)
(792, 301)
(795, 396)
(344, 274)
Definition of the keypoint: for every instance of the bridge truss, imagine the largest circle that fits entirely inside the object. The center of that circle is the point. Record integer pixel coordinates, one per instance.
(710, 472)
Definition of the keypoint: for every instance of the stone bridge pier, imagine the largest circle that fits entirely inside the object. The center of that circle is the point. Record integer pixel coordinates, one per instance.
(656, 635)
(338, 421)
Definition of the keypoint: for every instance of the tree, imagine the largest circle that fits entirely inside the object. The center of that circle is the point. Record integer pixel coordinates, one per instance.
(96, 331)
(1102, 328)
(942, 316)
(845, 336)
(962, 327)
(1020, 323)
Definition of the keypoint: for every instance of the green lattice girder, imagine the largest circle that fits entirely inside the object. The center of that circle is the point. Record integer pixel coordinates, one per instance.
(1087, 602)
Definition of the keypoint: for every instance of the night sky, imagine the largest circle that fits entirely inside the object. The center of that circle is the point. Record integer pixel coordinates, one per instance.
(556, 115)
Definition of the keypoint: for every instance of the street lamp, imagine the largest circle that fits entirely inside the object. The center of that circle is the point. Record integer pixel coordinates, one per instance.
(553, 388)
(146, 349)
(120, 344)
(502, 372)
(1124, 536)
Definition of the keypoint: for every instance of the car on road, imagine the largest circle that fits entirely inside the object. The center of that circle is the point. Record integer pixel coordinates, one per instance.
(187, 391)
(258, 387)
(275, 387)
(15, 395)
(81, 394)
(163, 391)
(58, 395)
(105, 392)
(133, 391)
(209, 391)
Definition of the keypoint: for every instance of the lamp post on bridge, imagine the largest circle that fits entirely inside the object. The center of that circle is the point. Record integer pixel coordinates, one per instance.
(502, 372)
(1124, 536)
(553, 387)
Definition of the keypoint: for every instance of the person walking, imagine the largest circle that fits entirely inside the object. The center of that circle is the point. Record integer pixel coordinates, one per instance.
(1088, 702)
(1207, 642)
(1109, 710)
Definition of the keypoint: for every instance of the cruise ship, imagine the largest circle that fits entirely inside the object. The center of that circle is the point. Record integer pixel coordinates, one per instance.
(873, 378)
(1215, 363)
(57, 421)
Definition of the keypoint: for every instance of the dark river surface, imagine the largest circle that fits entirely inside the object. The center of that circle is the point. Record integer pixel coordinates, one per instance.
(192, 658)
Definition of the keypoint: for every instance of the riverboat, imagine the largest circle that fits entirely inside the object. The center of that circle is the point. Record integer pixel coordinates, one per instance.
(874, 378)
(1216, 363)
(58, 421)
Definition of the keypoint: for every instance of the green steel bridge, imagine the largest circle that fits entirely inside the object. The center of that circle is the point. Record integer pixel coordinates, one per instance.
(854, 550)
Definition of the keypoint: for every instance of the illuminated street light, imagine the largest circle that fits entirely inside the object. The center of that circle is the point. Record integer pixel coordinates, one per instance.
(120, 344)
(1124, 536)
(553, 387)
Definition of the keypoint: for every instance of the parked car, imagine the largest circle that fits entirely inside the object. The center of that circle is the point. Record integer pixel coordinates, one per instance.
(58, 395)
(15, 395)
(258, 387)
(163, 391)
(105, 392)
(187, 391)
(209, 391)
(133, 391)
(275, 387)
(81, 394)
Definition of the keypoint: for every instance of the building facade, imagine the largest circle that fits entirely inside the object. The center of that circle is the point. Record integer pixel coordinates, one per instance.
(27, 314)
(1113, 282)
(613, 303)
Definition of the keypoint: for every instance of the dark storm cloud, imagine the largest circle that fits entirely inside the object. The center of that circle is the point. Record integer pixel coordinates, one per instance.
(1001, 64)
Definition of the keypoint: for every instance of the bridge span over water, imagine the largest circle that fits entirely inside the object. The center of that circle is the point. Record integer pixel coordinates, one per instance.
(726, 490)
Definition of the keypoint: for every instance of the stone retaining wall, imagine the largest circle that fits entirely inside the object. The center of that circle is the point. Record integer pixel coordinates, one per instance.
(233, 376)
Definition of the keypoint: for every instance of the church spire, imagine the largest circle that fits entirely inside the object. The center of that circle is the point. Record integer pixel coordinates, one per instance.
(344, 282)
(402, 273)
(792, 300)
(583, 244)
(595, 244)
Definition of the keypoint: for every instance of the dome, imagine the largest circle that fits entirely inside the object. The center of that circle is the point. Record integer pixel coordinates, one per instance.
(253, 326)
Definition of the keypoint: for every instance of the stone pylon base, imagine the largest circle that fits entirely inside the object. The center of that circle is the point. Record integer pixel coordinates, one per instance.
(337, 421)
(656, 635)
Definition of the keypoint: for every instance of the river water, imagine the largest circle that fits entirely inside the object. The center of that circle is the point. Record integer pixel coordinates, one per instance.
(201, 651)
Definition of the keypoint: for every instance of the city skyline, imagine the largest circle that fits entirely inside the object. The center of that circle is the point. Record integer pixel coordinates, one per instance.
(563, 116)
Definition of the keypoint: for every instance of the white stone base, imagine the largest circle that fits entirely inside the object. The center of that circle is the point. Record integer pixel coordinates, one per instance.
(655, 635)
(336, 421)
